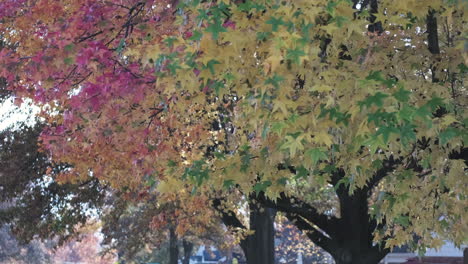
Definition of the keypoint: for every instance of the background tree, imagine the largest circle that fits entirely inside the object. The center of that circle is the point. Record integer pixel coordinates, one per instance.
(161, 229)
(34, 204)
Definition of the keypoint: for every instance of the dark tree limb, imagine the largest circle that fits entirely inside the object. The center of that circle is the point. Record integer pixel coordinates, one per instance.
(228, 217)
(312, 233)
(295, 206)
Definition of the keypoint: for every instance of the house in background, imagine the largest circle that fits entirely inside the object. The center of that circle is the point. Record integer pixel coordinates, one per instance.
(447, 254)
(213, 256)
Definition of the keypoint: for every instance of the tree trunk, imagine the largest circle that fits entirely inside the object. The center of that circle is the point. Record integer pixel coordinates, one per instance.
(173, 248)
(433, 41)
(259, 248)
(356, 255)
(188, 247)
(465, 256)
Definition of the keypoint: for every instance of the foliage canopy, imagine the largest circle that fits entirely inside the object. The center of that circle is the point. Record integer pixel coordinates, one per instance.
(363, 99)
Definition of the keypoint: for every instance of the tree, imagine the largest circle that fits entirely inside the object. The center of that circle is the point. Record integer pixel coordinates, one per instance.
(362, 98)
(160, 229)
(13, 252)
(85, 249)
(33, 205)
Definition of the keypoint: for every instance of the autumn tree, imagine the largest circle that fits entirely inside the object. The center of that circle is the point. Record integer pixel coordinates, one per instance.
(136, 227)
(365, 99)
(34, 205)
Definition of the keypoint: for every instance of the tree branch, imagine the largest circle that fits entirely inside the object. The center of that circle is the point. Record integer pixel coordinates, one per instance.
(295, 206)
(228, 217)
(388, 166)
(312, 233)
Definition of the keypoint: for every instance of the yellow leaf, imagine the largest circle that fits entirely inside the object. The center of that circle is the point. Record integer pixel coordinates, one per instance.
(272, 63)
(448, 120)
(281, 106)
(323, 137)
(321, 88)
(170, 185)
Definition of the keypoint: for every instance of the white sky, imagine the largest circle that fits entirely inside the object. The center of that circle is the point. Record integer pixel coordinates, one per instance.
(11, 114)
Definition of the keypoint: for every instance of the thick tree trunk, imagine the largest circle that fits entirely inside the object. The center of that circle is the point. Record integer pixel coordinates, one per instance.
(173, 248)
(433, 41)
(188, 247)
(259, 248)
(353, 254)
(349, 237)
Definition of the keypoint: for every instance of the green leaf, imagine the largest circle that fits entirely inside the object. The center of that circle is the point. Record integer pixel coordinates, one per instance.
(173, 67)
(277, 127)
(402, 220)
(275, 23)
(121, 46)
(196, 35)
(202, 15)
(227, 184)
(462, 67)
(376, 99)
(69, 47)
(210, 65)
(385, 131)
(262, 36)
(402, 95)
(379, 117)
(305, 32)
(376, 76)
(293, 143)
(170, 41)
(215, 29)
(68, 61)
(261, 186)
(301, 172)
(375, 143)
(316, 155)
(275, 80)
(448, 134)
(435, 103)
(295, 55)
(406, 113)
(282, 181)
(340, 20)
(377, 164)
(171, 164)
(407, 134)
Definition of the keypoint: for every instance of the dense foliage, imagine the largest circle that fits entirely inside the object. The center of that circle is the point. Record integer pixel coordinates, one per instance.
(363, 100)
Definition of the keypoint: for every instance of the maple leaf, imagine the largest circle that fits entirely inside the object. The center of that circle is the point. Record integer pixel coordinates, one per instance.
(215, 29)
(376, 99)
(402, 95)
(316, 155)
(293, 143)
(275, 23)
(296, 55)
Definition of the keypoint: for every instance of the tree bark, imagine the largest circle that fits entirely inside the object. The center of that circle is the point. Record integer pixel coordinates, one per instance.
(188, 247)
(465, 256)
(173, 247)
(260, 247)
(432, 40)
(349, 238)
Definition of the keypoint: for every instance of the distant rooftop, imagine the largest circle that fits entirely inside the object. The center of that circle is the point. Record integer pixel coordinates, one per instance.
(435, 260)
